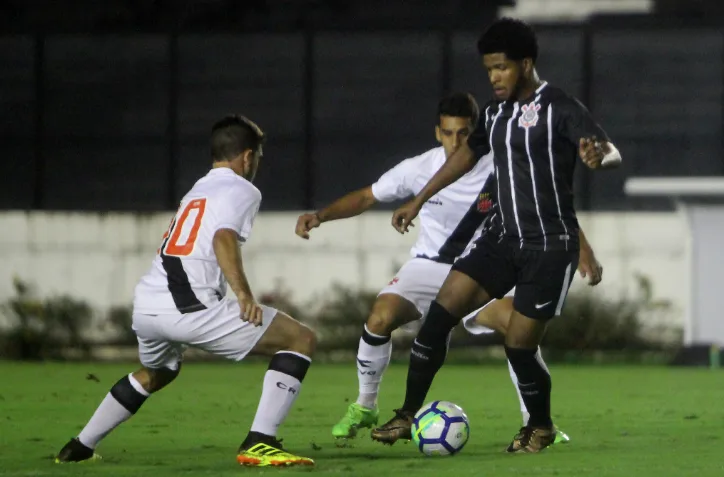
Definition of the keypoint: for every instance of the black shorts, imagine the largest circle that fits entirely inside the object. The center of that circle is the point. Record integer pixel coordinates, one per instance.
(541, 279)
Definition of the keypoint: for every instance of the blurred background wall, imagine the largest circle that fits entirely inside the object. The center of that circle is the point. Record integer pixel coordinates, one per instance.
(105, 110)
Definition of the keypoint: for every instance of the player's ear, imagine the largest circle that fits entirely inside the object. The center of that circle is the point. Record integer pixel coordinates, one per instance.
(438, 135)
(528, 66)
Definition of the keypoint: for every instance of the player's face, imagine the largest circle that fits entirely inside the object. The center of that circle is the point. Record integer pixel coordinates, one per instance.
(452, 132)
(505, 74)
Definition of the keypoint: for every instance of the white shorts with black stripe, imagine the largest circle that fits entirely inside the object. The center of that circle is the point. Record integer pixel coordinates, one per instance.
(162, 339)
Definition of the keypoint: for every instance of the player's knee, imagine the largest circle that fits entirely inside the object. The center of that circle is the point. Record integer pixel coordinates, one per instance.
(496, 315)
(153, 380)
(305, 341)
(381, 322)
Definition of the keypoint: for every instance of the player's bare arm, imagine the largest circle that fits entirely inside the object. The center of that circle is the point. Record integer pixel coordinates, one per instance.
(598, 154)
(456, 166)
(350, 205)
(588, 265)
(228, 255)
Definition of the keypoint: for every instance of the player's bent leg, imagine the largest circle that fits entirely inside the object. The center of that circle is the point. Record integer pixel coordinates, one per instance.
(291, 345)
(123, 401)
(389, 312)
(161, 360)
(459, 295)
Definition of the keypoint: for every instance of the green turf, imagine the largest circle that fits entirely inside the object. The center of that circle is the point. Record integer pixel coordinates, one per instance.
(623, 421)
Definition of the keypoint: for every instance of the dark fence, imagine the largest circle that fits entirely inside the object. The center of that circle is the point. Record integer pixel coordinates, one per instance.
(121, 122)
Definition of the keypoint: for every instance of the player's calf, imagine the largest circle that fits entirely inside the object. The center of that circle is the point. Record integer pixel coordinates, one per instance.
(426, 358)
(124, 400)
(291, 345)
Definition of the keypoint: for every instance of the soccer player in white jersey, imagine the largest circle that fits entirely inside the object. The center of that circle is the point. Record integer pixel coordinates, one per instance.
(450, 223)
(181, 301)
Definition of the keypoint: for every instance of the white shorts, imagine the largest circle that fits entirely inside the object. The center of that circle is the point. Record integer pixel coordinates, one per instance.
(219, 330)
(418, 282)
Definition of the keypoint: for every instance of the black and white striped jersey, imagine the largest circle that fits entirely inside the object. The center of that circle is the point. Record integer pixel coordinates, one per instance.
(453, 218)
(185, 276)
(535, 146)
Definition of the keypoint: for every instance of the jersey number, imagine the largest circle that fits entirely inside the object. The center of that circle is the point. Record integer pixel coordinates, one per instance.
(173, 247)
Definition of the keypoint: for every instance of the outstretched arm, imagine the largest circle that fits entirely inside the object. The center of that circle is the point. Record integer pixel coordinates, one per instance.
(350, 205)
(456, 166)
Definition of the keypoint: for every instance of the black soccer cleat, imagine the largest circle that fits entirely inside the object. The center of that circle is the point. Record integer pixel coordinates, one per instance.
(399, 427)
(531, 440)
(75, 451)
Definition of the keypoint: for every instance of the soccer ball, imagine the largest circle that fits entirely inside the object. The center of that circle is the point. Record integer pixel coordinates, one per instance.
(440, 428)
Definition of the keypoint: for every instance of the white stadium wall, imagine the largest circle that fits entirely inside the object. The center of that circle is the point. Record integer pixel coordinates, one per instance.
(99, 257)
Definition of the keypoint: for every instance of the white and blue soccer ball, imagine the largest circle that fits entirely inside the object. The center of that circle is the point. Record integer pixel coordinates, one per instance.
(440, 428)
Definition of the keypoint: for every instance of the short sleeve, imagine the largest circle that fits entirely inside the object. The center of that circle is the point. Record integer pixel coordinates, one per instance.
(479, 141)
(573, 121)
(396, 183)
(238, 211)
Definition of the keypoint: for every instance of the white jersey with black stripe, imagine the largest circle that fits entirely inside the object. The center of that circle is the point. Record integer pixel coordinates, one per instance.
(452, 219)
(185, 275)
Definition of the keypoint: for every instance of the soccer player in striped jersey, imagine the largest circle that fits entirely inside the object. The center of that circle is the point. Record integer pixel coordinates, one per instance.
(536, 133)
(181, 301)
(450, 223)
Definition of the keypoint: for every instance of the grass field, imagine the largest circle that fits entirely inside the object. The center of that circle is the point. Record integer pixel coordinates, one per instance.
(623, 421)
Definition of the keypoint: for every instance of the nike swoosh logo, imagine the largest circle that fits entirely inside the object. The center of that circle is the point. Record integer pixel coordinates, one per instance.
(421, 345)
(538, 307)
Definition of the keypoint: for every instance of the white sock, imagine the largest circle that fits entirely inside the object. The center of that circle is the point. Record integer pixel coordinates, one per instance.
(372, 361)
(277, 397)
(514, 378)
(109, 415)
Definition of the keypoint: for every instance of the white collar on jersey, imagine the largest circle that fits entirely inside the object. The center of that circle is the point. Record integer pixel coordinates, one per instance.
(222, 170)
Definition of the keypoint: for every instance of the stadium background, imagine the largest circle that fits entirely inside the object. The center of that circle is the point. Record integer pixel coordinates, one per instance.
(106, 110)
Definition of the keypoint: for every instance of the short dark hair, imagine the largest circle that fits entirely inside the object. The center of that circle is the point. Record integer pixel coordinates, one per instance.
(459, 105)
(233, 135)
(513, 37)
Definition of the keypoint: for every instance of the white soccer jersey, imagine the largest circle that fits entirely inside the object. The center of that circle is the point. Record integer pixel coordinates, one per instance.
(452, 219)
(185, 276)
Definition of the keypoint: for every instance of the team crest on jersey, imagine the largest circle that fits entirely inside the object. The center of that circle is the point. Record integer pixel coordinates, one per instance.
(529, 118)
(485, 203)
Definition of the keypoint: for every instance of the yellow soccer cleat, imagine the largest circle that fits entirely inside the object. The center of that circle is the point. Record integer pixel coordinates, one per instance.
(265, 454)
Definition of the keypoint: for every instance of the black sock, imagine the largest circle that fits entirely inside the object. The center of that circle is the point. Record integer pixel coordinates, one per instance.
(427, 355)
(534, 383)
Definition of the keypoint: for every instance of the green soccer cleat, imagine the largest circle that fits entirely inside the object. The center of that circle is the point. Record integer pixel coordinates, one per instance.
(357, 417)
(561, 437)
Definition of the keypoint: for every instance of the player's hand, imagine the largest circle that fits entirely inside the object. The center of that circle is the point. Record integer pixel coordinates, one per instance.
(305, 223)
(402, 218)
(589, 267)
(251, 311)
(592, 151)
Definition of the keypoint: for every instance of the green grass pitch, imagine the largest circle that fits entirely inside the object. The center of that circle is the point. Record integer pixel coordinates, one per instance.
(623, 421)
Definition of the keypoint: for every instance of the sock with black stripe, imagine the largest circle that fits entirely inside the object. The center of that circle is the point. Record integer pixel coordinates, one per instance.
(373, 357)
(282, 383)
(122, 402)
